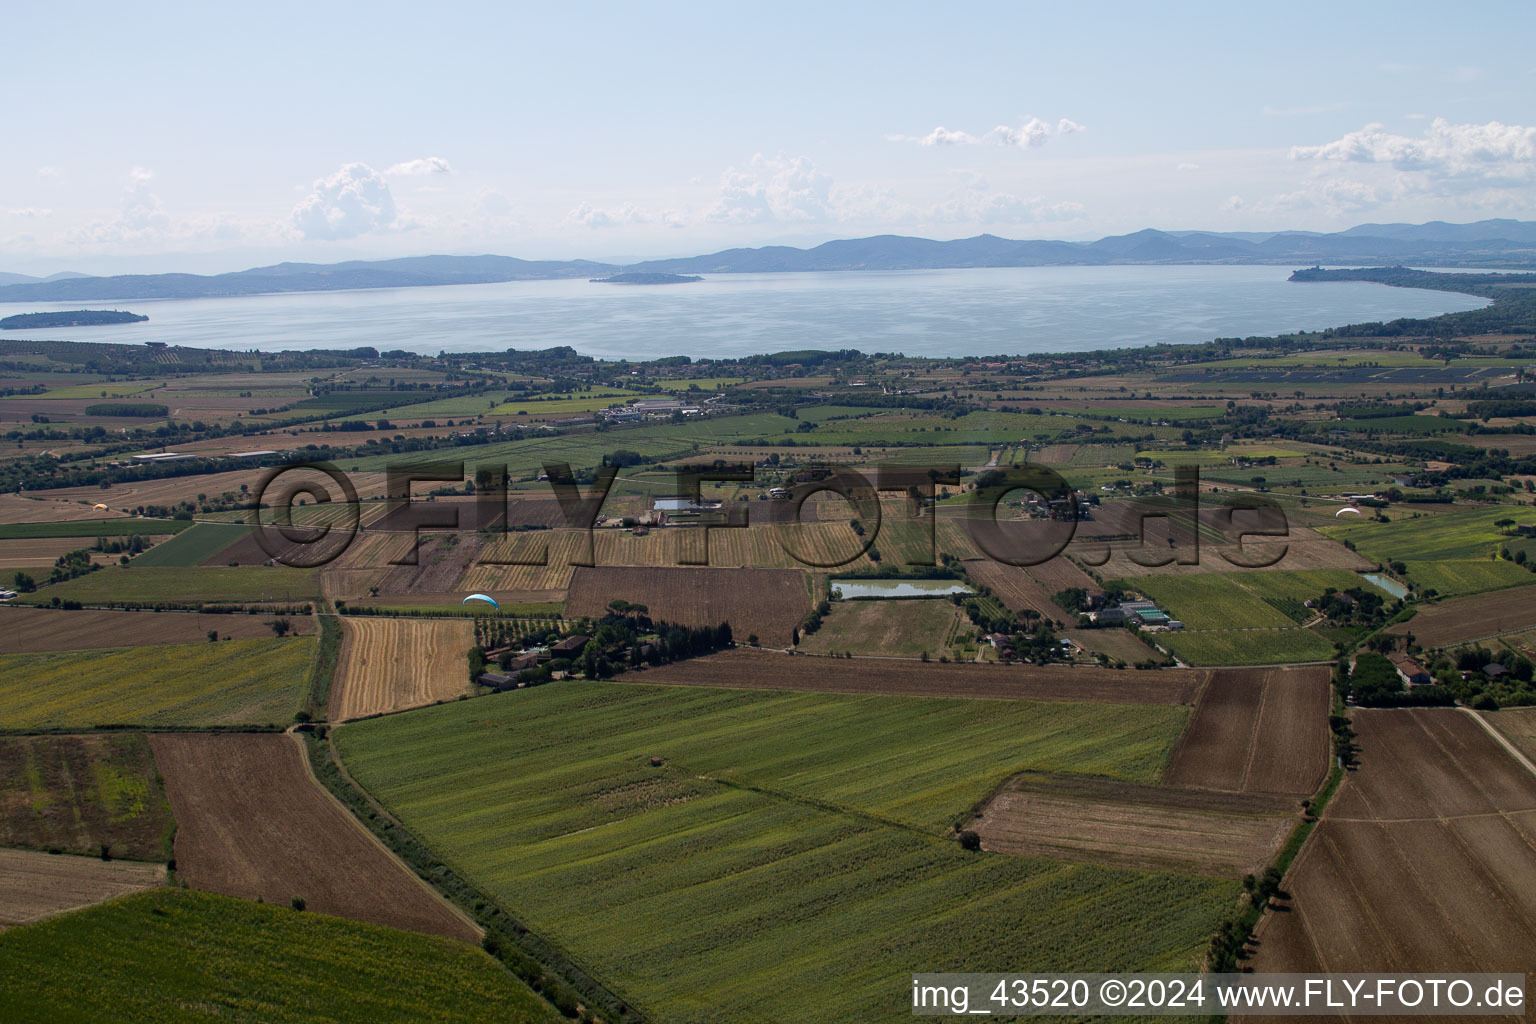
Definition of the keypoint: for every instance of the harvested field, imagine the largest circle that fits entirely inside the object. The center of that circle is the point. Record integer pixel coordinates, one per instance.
(1425, 861)
(1117, 643)
(1460, 619)
(393, 664)
(1257, 731)
(1130, 825)
(766, 670)
(43, 552)
(894, 629)
(76, 794)
(30, 630)
(441, 559)
(252, 822)
(37, 885)
(767, 602)
(16, 508)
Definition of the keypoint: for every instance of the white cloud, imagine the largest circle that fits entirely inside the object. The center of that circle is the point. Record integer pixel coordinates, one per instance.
(492, 203)
(29, 213)
(422, 167)
(1186, 166)
(1444, 156)
(781, 189)
(1031, 134)
(1234, 203)
(353, 201)
(48, 171)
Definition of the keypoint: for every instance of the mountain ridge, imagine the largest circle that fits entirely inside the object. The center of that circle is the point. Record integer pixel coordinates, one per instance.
(1491, 243)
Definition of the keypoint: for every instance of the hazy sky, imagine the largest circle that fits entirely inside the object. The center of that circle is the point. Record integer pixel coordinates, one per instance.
(151, 137)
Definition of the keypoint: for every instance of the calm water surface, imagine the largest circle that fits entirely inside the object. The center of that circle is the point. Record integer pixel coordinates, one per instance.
(921, 313)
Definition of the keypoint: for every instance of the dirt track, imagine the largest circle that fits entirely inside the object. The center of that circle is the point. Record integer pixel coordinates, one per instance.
(253, 823)
(393, 664)
(1426, 860)
(766, 670)
(1257, 731)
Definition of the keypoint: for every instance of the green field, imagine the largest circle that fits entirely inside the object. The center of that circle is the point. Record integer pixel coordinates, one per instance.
(115, 585)
(122, 527)
(173, 955)
(1246, 646)
(1241, 600)
(1462, 534)
(232, 682)
(786, 835)
(191, 547)
(1454, 578)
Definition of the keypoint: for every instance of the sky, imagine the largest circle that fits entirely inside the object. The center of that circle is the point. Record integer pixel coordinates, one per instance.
(195, 137)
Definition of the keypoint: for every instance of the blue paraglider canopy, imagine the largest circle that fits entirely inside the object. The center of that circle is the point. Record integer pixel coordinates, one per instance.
(488, 599)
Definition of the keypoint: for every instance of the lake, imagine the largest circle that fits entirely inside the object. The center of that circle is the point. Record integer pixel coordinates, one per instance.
(1013, 311)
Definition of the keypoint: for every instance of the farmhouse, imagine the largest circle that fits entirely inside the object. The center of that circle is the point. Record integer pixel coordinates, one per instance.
(571, 644)
(1411, 672)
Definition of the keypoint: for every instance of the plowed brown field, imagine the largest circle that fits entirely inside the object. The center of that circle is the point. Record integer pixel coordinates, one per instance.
(1471, 618)
(393, 664)
(767, 602)
(1257, 731)
(252, 822)
(1426, 861)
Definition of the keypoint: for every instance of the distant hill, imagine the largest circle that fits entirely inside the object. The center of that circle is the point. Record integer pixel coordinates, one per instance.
(1489, 243)
(72, 318)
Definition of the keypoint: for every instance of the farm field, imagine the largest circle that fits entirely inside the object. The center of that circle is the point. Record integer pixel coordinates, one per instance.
(1385, 883)
(192, 547)
(1460, 619)
(890, 629)
(593, 846)
(392, 664)
(252, 822)
(1030, 588)
(30, 630)
(1115, 642)
(1257, 732)
(1458, 534)
(91, 528)
(1458, 578)
(1246, 646)
(1518, 726)
(174, 956)
(767, 602)
(1129, 825)
(36, 885)
(133, 586)
(41, 554)
(1241, 600)
(766, 670)
(241, 682)
(78, 794)
(18, 508)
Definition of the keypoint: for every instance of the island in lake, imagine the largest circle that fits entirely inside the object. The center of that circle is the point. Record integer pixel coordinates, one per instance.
(647, 279)
(73, 318)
